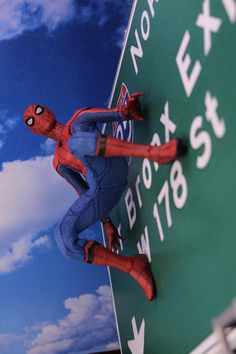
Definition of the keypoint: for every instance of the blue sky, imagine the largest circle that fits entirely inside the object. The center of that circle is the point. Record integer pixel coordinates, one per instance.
(62, 54)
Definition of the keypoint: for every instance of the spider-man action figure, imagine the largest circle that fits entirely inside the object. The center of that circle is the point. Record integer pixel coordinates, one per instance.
(95, 165)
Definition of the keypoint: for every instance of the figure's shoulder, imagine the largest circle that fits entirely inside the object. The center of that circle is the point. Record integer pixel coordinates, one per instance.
(76, 115)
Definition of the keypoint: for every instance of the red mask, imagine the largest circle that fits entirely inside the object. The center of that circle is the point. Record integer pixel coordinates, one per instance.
(40, 119)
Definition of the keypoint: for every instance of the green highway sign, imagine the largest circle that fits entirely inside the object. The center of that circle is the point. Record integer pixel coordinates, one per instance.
(182, 55)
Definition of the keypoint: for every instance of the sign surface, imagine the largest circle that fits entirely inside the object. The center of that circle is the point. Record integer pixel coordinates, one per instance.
(181, 215)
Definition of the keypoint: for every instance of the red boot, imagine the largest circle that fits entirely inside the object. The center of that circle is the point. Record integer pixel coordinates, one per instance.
(137, 266)
(110, 146)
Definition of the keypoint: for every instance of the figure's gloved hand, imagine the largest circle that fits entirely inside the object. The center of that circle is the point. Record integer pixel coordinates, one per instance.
(132, 109)
(113, 236)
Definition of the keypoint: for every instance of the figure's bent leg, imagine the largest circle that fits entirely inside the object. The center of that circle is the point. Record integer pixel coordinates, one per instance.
(81, 215)
(69, 243)
(88, 209)
(101, 171)
(137, 266)
(109, 146)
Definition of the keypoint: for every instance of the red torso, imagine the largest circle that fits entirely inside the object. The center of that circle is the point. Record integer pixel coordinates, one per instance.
(62, 154)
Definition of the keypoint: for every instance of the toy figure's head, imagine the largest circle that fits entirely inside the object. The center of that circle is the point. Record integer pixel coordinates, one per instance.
(40, 119)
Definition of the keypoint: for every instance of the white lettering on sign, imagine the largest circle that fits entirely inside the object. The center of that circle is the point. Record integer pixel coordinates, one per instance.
(230, 8)
(164, 195)
(178, 183)
(136, 345)
(151, 6)
(200, 139)
(137, 183)
(179, 187)
(119, 132)
(147, 173)
(156, 142)
(130, 207)
(183, 61)
(136, 50)
(119, 228)
(143, 245)
(158, 221)
(209, 24)
(169, 125)
(218, 125)
(203, 139)
(145, 25)
(147, 176)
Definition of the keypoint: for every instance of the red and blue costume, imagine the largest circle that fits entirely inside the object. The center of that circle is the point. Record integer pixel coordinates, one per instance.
(95, 165)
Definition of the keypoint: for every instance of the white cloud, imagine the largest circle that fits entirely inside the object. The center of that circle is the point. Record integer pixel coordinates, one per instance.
(21, 252)
(2, 130)
(90, 321)
(11, 123)
(7, 123)
(48, 146)
(18, 16)
(33, 199)
(88, 327)
(102, 10)
(7, 339)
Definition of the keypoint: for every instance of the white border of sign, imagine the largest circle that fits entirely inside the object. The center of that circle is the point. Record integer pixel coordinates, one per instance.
(114, 305)
(103, 129)
(123, 50)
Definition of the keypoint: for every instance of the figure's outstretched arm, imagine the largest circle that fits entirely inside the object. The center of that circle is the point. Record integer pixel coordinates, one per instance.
(100, 115)
(131, 110)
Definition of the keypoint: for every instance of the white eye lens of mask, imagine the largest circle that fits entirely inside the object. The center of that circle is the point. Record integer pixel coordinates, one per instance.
(30, 121)
(38, 110)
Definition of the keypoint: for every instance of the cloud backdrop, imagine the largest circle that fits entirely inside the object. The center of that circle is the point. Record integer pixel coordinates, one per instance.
(33, 199)
(62, 53)
(18, 16)
(7, 123)
(20, 252)
(70, 334)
